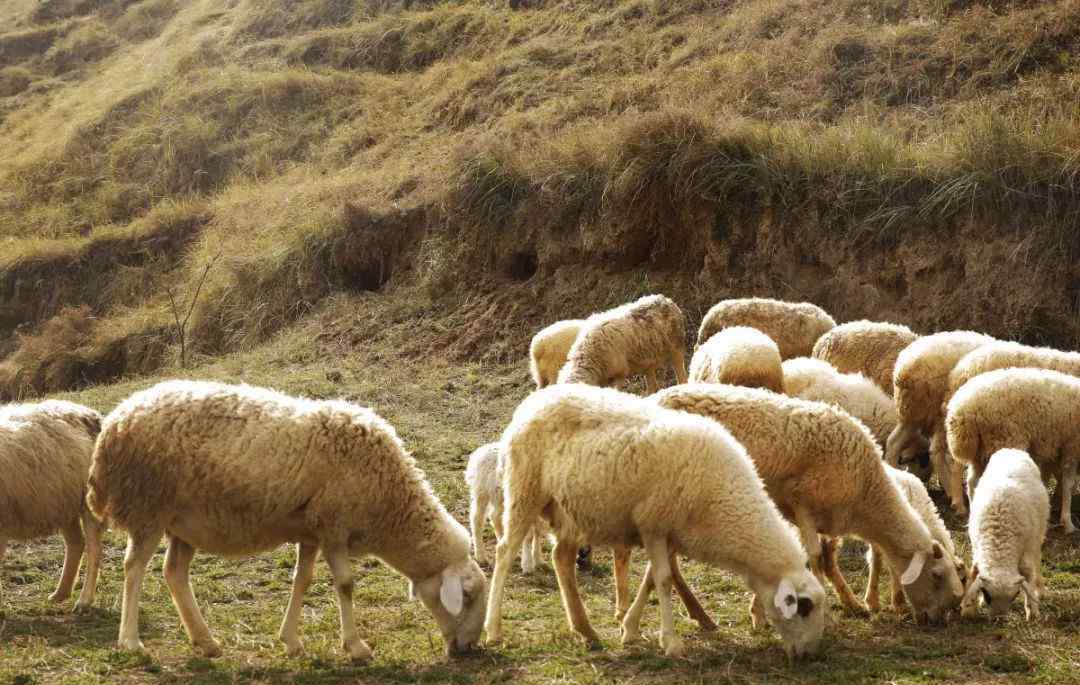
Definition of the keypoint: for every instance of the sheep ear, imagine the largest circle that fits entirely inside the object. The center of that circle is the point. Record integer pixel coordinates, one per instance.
(786, 600)
(451, 593)
(914, 569)
(938, 553)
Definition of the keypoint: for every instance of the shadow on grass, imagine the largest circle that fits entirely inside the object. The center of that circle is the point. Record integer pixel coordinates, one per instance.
(59, 627)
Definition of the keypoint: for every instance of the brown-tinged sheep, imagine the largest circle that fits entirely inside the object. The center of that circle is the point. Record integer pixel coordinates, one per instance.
(866, 347)
(795, 326)
(549, 349)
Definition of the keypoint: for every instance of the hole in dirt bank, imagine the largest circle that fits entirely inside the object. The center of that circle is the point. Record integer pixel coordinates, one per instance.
(523, 265)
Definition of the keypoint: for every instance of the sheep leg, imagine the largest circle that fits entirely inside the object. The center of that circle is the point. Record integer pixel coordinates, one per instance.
(337, 558)
(528, 559)
(973, 476)
(504, 552)
(93, 530)
(537, 542)
(1066, 482)
(621, 560)
(564, 558)
(303, 574)
(873, 597)
(477, 509)
(74, 545)
(939, 460)
(757, 613)
(659, 563)
(956, 485)
(1031, 600)
(631, 623)
(140, 548)
(651, 384)
(831, 559)
(177, 573)
(678, 362)
(693, 607)
(810, 540)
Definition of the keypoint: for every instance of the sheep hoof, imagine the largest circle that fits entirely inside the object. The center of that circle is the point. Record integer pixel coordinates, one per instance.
(82, 607)
(630, 636)
(707, 626)
(135, 645)
(358, 651)
(673, 646)
(208, 648)
(59, 596)
(873, 604)
(294, 651)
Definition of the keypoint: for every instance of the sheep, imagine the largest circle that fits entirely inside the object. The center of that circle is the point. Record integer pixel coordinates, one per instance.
(1034, 410)
(484, 479)
(921, 380)
(1007, 530)
(549, 349)
(795, 326)
(236, 470)
(919, 499)
(638, 337)
(614, 469)
(824, 471)
(813, 379)
(45, 451)
(866, 347)
(1004, 355)
(740, 356)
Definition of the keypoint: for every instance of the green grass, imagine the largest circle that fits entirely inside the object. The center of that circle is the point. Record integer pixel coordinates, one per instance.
(443, 410)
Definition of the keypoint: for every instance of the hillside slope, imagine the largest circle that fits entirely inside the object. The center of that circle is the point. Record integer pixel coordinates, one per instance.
(909, 160)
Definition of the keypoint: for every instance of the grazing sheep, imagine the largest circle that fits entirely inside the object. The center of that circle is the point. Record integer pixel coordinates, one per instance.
(795, 326)
(824, 471)
(1007, 529)
(738, 356)
(1005, 355)
(486, 502)
(639, 337)
(45, 451)
(921, 379)
(604, 467)
(1034, 410)
(236, 470)
(919, 499)
(866, 347)
(813, 379)
(549, 349)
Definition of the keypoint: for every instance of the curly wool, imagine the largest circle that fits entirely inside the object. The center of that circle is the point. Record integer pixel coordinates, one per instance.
(1006, 355)
(639, 337)
(235, 470)
(738, 356)
(795, 326)
(813, 379)
(549, 349)
(45, 452)
(866, 347)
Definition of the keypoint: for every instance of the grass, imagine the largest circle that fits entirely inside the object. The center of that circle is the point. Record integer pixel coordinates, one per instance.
(443, 410)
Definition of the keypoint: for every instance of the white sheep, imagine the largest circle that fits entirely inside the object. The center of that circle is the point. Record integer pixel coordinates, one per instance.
(237, 470)
(824, 471)
(45, 451)
(920, 381)
(639, 337)
(919, 499)
(1007, 529)
(866, 347)
(1005, 355)
(813, 379)
(484, 479)
(795, 326)
(1034, 410)
(550, 348)
(608, 468)
(738, 356)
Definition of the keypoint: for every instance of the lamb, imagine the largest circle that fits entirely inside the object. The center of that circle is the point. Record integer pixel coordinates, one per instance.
(921, 380)
(739, 356)
(550, 348)
(45, 451)
(824, 471)
(486, 502)
(1004, 355)
(1007, 529)
(638, 337)
(866, 347)
(235, 470)
(795, 326)
(915, 493)
(1034, 410)
(813, 379)
(602, 466)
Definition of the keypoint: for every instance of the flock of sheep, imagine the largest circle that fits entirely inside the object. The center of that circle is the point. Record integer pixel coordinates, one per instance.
(789, 434)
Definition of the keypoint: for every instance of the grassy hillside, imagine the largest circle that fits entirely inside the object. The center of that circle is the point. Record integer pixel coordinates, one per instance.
(383, 199)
